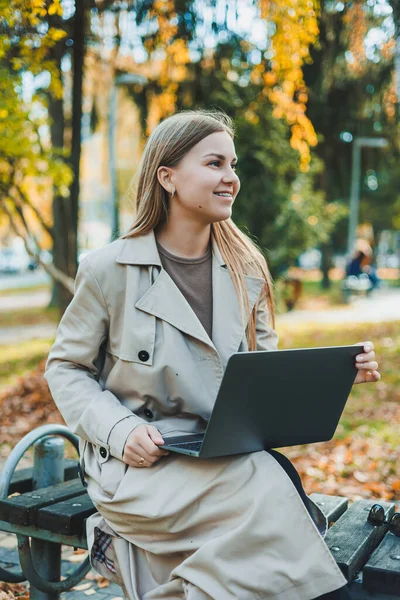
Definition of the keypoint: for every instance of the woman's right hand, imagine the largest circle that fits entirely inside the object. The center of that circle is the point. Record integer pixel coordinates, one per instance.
(142, 447)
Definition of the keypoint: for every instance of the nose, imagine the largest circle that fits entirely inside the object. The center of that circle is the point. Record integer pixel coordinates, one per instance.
(230, 176)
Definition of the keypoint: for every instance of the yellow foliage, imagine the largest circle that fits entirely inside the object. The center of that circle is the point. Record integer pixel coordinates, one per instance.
(390, 100)
(172, 68)
(355, 20)
(296, 29)
(56, 34)
(27, 166)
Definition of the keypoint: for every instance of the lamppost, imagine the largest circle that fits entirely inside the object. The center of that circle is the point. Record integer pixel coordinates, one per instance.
(125, 79)
(358, 143)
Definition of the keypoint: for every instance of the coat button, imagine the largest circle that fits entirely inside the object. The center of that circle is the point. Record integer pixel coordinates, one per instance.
(148, 413)
(144, 355)
(103, 452)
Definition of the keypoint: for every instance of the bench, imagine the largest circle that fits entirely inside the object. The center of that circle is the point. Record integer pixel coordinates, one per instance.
(355, 285)
(50, 510)
(55, 513)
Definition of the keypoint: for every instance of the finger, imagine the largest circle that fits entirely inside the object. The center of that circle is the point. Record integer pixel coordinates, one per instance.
(143, 441)
(157, 439)
(155, 435)
(371, 376)
(368, 346)
(368, 366)
(137, 448)
(135, 460)
(367, 377)
(151, 448)
(365, 357)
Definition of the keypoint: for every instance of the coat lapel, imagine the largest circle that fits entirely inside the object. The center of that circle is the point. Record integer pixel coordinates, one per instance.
(164, 300)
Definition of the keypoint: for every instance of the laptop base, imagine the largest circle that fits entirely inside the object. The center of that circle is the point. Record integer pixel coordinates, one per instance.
(189, 444)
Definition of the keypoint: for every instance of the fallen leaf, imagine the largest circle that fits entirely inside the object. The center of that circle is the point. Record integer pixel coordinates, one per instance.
(362, 477)
(82, 586)
(89, 592)
(103, 582)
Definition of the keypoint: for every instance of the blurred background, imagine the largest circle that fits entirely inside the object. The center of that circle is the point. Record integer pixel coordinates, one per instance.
(313, 87)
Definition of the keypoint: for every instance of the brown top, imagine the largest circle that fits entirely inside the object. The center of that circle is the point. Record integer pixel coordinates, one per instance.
(193, 276)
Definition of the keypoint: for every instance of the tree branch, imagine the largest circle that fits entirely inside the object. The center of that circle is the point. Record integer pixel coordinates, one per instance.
(24, 198)
(56, 274)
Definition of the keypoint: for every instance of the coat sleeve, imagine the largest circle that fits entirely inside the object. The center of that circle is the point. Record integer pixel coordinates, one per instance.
(267, 338)
(74, 364)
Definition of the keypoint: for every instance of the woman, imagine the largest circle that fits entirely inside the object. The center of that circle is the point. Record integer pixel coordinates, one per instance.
(361, 262)
(140, 352)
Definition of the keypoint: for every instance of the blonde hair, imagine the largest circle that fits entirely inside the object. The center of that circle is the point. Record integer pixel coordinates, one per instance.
(166, 146)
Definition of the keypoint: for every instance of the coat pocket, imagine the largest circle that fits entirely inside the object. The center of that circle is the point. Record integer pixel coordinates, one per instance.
(138, 341)
(112, 471)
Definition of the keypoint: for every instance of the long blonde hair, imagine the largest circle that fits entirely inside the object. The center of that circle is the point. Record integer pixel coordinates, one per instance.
(166, 146)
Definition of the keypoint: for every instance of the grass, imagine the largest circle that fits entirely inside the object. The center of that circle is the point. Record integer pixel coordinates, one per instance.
(313, 289)
(371, 407)
(25, 290)
(29, 316)
(21, 358)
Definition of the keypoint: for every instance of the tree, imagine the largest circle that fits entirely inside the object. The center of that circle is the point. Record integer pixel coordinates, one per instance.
(29, 164)
(260, 82)
(350, 90)
(277, 205)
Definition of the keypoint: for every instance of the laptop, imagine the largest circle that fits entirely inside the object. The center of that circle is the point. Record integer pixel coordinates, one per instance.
(275, 398)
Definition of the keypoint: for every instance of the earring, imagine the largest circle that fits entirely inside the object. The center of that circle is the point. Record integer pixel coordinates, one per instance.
(172, 192)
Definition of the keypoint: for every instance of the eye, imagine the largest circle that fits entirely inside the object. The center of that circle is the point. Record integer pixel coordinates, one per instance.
(218, 162)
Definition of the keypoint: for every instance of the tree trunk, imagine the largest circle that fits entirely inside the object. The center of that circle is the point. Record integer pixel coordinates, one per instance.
(61, 212)
(326, 264)
(395, 4)
(66, 210)
(78, 61)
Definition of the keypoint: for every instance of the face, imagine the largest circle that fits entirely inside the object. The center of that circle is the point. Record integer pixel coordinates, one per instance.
(205, 181)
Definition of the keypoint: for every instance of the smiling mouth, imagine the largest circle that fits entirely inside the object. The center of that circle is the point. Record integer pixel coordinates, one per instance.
(227, 196)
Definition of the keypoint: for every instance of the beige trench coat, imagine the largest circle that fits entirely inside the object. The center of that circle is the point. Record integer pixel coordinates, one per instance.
(130, 350)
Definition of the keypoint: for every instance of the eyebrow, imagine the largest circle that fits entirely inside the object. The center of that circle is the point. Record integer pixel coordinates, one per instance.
(221, 156)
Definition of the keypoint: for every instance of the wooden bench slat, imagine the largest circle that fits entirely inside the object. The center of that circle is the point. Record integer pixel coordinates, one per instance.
(22, 510)
(382, 571)
(332, 506)
(22, 479)
(352, 539)
(67, 517)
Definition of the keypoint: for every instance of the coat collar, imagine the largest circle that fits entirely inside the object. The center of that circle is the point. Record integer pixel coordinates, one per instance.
(142, 250)
(164, 300)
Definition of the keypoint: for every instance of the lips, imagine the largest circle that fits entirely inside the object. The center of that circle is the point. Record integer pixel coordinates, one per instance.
(224, 195)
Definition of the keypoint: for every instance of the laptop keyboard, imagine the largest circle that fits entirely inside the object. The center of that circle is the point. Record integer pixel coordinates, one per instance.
(188, 445)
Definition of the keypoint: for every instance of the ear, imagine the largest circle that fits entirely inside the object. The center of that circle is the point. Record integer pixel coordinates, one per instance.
(165, 176)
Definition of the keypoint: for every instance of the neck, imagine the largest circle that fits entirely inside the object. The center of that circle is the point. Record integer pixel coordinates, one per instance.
(187, 241)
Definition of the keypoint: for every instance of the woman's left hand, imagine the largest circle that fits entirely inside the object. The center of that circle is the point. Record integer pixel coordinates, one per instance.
(367, 365)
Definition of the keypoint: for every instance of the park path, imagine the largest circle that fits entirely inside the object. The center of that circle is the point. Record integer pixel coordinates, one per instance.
(382, 305)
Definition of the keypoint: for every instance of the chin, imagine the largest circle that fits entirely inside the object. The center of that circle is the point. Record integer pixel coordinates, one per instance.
(222, 216)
